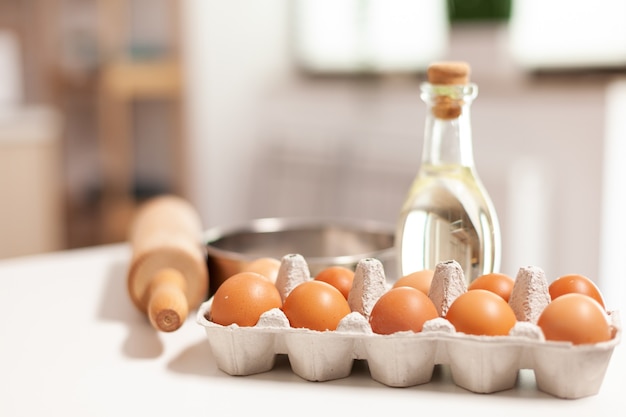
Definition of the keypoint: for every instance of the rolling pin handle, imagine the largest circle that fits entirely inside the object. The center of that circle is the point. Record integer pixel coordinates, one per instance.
(168, 306)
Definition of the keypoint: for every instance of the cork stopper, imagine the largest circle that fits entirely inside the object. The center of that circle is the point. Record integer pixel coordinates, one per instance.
(448, 73)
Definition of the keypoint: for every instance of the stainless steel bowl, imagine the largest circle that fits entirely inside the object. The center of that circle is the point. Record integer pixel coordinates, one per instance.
(321, 242)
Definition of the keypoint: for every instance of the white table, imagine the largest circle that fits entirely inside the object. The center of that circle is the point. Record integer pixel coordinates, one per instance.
(72, 344)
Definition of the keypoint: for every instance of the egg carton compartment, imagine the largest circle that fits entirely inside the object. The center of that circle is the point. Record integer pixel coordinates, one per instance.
(480, 364)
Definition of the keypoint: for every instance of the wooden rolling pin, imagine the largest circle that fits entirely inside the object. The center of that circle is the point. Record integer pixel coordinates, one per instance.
(168, 275)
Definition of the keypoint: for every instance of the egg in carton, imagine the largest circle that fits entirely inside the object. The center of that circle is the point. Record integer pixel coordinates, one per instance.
(481, 364)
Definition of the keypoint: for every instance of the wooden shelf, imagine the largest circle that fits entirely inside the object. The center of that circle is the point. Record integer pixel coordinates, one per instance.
(119, 86)
(77, 59)
(139, 80)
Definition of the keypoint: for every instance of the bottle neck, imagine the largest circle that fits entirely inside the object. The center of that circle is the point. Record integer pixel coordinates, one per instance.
(448, 132)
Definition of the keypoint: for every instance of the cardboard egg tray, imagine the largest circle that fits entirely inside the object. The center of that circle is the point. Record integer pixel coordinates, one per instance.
(480, 364)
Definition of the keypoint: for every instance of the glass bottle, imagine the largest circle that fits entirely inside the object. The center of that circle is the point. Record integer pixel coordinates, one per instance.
(448, 213)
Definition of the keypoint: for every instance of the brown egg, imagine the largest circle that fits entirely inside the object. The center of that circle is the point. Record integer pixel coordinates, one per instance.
(339, 277)
(495, 282)
(401, 309)
(242, 298)
(481, 312)
(575, 318)
(268, 267)
(575, 283)
(315, 305)
(419, 280)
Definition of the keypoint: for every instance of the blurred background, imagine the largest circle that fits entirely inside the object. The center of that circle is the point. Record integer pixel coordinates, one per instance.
(309, 108)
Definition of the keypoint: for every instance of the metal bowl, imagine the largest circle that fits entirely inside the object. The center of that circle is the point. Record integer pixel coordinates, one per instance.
(322, 243)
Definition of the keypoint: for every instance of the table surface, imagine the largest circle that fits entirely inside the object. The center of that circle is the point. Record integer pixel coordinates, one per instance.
(72, 344)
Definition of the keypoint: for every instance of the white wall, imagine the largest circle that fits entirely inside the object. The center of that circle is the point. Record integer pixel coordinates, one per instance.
(235, 52)
(612, 244)
(268, 142)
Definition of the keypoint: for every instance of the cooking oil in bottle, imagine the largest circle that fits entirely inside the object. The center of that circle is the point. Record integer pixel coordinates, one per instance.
(448, 214)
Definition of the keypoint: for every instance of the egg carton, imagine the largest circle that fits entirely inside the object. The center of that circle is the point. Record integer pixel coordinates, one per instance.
(480, 364)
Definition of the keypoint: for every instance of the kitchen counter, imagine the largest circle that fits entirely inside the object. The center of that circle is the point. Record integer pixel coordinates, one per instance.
(72, 344)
